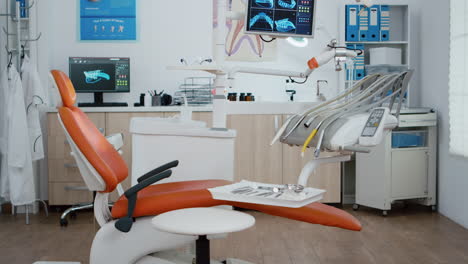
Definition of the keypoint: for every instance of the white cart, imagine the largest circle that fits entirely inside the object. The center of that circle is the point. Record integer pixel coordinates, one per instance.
(402, 167)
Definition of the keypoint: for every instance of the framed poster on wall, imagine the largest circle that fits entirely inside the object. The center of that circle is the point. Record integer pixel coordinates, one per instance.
(108, 20)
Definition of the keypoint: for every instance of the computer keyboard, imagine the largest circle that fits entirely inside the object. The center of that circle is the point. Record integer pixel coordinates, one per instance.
(102, 105)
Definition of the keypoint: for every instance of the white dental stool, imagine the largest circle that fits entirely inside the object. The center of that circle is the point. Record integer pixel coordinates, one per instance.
(202, 222)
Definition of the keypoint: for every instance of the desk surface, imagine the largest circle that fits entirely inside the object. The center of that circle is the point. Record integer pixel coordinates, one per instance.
(233, 108)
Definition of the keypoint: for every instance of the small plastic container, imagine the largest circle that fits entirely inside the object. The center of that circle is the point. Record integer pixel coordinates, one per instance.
(385, 55)
(409, 139)
(385, 69)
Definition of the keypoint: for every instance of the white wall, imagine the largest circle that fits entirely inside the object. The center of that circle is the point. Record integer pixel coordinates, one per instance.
(188, 36)
(453, 170)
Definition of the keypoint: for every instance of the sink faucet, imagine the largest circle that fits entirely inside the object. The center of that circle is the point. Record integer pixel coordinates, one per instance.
(320, 95)
(291, 94)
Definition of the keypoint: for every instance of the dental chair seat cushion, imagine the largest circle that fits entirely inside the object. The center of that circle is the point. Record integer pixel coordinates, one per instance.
(161, 198)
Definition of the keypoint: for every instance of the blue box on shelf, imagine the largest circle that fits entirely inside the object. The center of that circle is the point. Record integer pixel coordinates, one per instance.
(408, 139)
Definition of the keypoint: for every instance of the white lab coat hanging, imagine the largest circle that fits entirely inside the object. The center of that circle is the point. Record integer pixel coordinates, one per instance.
(17, 179)
(34, 96)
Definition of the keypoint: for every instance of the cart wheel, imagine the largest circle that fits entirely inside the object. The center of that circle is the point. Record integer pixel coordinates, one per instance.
(355, 207)
(63, 222)
(434, 208)
(384, 213)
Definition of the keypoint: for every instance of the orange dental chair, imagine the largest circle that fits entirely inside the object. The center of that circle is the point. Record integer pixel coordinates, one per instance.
(126, 234)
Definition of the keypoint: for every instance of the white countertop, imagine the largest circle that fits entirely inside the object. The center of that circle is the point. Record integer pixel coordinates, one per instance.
(267, 108)
(233, 108)
(132, 109)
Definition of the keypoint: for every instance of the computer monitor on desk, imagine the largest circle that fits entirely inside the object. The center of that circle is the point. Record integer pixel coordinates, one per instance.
(99, 76)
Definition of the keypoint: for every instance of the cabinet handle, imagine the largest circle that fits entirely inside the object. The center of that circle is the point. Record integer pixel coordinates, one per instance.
(417, 120)
(427, 173)
(276, 123)
(76, 188)
(70, 165)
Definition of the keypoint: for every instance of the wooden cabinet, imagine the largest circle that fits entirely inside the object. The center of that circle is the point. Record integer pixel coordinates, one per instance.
(326, 176)
(255, 159)
(64, 177)
(120, 123)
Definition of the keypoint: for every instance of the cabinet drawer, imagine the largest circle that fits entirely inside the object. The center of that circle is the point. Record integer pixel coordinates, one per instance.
(63, 171)
(64, 193)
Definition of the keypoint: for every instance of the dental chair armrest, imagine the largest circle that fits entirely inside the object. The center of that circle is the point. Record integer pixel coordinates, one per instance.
(116, 140)
(125, 224)
(158, 170)
(147, 182)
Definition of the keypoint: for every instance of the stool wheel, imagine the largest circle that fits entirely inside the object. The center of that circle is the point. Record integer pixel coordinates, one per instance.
(63, 222)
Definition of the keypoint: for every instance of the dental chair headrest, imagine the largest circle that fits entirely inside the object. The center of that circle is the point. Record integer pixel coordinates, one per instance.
(65, 86)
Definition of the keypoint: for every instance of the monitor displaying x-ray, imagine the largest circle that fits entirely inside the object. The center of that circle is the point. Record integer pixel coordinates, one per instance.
(294, 18)
(91, 75)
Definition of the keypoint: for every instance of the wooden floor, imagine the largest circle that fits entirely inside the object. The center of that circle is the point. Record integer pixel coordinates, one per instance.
(407, 235)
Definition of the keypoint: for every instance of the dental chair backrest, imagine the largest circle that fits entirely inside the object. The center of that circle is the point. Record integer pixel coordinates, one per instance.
(100, 164)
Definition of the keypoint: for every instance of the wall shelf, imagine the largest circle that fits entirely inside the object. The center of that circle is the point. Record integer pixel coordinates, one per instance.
(378, 42)
(400, 32)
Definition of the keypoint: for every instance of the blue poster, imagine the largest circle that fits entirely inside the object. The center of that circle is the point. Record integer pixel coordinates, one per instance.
(108, 19)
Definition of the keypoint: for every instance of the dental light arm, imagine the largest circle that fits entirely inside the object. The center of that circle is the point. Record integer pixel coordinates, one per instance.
(331, 52)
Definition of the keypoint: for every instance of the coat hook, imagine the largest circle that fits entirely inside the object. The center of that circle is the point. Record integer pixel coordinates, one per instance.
(35, 39)
(6, 32)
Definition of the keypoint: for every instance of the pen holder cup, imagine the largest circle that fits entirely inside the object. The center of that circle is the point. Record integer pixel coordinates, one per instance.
(156, 100)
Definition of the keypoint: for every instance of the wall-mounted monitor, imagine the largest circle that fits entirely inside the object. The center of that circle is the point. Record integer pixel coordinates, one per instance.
(288, 18)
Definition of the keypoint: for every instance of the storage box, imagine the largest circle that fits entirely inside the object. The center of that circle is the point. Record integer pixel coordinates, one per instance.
(385, 55)
(409, 139)
(385, 69)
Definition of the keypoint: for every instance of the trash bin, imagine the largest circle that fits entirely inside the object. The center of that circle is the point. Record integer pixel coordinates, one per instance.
(203, 153)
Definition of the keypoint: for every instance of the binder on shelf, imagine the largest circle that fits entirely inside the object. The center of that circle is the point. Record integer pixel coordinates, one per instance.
(363, 23)
(352, 27)
(384, 23)
(23, 8)
(374, 23)
(348, 70)
(359, 64)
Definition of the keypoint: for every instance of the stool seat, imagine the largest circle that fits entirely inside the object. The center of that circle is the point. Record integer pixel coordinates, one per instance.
(203, 221)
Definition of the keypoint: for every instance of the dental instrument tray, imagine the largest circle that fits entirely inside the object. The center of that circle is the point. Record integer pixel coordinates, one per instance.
(292, 196)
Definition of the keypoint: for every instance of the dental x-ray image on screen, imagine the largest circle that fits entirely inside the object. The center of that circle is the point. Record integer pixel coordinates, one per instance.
(93, 77)
(295, 18)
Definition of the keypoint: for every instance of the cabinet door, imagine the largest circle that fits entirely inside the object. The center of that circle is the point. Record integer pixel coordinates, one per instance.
(326, 176)
(204, 116)
(62, 166)
(68, 193)
(120, 123)
(409, 173)
(256, 160)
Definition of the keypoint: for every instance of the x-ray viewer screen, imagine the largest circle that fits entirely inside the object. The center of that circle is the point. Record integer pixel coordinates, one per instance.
(281, 17)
